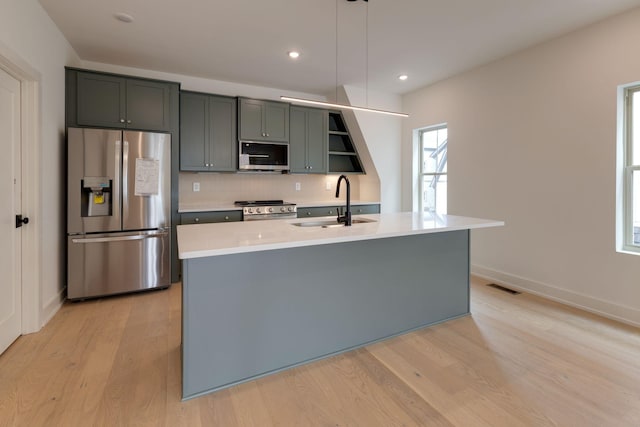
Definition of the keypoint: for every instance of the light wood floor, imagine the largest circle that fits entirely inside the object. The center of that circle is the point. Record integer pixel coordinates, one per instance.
(517, 361)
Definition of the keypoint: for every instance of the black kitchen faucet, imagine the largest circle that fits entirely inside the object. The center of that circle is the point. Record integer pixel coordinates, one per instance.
(346, 218)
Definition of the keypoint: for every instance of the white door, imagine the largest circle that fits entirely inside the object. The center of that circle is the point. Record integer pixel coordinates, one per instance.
(10, 205)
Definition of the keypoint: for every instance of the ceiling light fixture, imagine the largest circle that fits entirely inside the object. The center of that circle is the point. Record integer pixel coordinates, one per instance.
(403, 77)
(124, 17)
(348, 107)
(294, 54)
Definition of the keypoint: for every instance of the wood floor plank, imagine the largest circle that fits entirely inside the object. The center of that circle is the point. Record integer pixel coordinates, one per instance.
(516, 361)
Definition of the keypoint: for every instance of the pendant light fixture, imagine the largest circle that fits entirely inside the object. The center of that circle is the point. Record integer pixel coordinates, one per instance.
(336, 104)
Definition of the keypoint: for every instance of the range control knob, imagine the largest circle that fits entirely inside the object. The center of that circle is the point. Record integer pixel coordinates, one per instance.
(249, 210)
(290, 209)
(282, 209)
(270, 210)
(258, 210)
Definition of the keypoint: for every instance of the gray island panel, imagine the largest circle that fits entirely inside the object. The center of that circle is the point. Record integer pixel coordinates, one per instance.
(250, 314)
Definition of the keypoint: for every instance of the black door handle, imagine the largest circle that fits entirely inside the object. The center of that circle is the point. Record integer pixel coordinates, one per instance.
(20, 221)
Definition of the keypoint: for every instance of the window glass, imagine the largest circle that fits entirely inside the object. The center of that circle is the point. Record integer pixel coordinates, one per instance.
(433, 170)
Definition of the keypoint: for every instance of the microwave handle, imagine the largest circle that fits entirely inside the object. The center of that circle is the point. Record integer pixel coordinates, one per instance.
(258, 155)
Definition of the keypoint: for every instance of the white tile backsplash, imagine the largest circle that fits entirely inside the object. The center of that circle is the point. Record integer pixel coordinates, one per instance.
(223, 188)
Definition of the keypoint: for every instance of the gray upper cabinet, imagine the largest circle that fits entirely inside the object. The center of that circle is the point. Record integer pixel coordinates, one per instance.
(308, 140)
(263, 120)
(101, 100)
(120, 102)
(207, 133)
(147, 105)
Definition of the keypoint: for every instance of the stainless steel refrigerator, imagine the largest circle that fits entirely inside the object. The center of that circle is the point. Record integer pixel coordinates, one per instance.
(118, 204)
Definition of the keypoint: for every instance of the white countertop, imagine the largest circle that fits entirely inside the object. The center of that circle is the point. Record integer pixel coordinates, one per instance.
(217, 206)
(203, 240)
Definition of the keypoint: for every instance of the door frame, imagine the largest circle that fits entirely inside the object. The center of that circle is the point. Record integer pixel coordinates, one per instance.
(31, 153)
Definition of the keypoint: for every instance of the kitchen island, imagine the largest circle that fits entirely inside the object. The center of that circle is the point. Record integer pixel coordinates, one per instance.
(263, 296)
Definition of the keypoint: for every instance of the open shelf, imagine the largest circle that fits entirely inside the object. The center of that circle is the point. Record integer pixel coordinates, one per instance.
(343, 157)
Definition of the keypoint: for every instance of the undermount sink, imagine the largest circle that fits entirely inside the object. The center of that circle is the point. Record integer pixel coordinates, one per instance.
(330, 223)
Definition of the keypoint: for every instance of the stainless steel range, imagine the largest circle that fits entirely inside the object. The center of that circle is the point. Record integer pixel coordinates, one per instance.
(267, 209)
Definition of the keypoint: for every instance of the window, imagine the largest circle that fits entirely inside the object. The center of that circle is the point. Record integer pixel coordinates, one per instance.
(630, 171)
(432, 179)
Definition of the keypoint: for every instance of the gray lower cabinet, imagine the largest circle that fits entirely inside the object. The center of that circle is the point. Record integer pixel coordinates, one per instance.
(308, 140)
(207, 133)
(209, 217)
(120, 102)
(263, 120)
(332, 210)
(250, 314)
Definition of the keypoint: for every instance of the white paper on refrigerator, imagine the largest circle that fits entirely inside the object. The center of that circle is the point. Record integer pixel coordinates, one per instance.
(147, 177)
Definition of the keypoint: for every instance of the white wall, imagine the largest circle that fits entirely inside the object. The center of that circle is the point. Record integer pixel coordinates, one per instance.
(27, 33)
(382, 134)
(200, 84)
(533, 142)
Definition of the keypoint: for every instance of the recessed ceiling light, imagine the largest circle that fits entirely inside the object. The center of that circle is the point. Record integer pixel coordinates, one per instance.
(124, 17)
(403, 77)
(294, 54)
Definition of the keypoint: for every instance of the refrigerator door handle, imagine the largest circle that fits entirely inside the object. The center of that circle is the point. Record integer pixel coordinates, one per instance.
(125, 178)
(118, 238)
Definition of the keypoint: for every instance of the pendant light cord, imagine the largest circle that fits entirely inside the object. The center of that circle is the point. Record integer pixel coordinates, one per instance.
(366, 59)
(336, 52)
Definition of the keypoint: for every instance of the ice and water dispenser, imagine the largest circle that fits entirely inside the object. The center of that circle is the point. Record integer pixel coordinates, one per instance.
(96, 196)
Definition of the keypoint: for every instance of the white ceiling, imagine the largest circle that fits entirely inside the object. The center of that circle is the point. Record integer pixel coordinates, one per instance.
(247, 40)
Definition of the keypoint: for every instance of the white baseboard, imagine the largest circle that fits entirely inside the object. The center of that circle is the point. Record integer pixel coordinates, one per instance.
(603, 308)
(51, 307)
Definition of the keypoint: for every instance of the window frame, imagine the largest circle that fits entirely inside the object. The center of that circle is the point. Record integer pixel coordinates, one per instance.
(422, 174)
(626, 170)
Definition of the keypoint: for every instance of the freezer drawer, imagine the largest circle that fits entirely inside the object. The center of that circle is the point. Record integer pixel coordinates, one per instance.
(114, 263)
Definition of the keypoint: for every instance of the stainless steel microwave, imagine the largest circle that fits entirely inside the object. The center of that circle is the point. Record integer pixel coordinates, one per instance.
(269, 156)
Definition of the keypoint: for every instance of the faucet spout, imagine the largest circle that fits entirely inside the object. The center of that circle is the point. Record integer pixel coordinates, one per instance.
(346, 218)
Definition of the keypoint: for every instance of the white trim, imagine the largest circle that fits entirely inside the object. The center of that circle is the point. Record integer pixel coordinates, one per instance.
(51, 307)
(624, 171)
(610, 310)
(31, 201)
(415, 171)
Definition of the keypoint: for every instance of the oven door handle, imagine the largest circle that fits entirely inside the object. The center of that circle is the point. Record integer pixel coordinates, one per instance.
(264, 156)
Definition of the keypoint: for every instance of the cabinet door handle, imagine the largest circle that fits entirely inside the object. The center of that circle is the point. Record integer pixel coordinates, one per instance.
(197, 219)
(308, 213)
(310, 167)
(129, 121)
(121, 120)
(226, 218)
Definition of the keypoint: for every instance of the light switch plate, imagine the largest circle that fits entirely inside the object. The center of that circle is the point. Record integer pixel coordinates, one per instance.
(196, 186)
(297, 186)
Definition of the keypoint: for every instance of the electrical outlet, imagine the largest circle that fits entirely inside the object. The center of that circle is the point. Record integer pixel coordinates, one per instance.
(297, 186)
(327, 185)
(196, 186)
